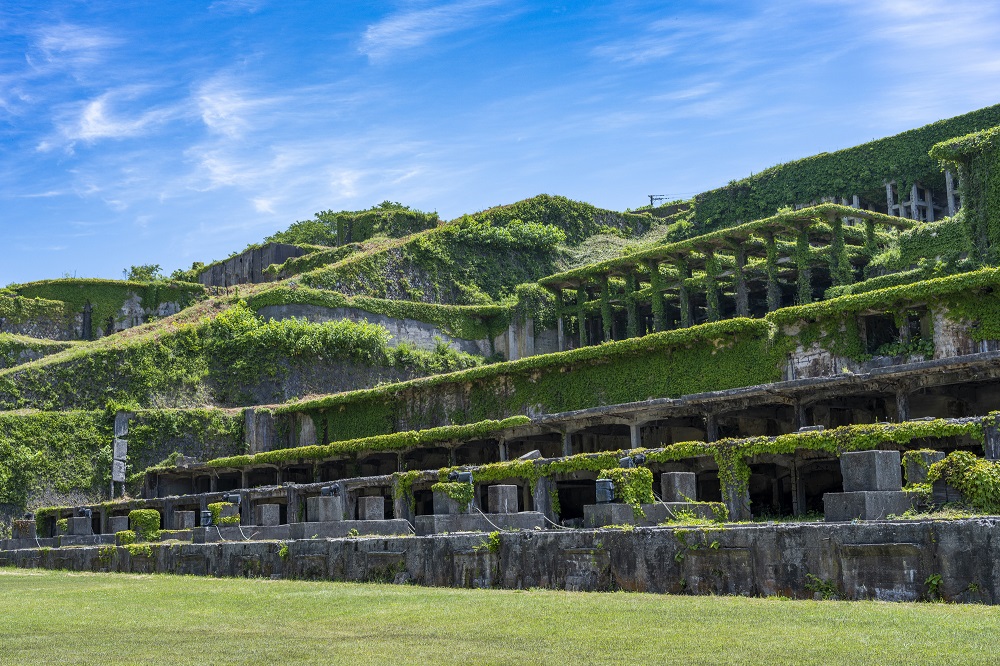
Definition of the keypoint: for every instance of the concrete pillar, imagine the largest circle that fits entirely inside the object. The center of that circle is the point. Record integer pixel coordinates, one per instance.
(502, 499)
(656, 297)
(949, 182)
(213, 483)
(711, 428)
(888, 198)
(802, 260)
(902, 404)
(685, 295)
(545, 488)
(742, 297)
(737, 501)
(567, 443)
(512, 342)
(991, 444)
(581, 316)
(929, 199)
(771, 265)
(631, 307)
(914, 211)
(635, 435)
(561, 333)
(504, 455)
(855, 201)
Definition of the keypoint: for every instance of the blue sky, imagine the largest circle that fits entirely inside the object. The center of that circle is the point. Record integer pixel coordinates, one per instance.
(169, 132)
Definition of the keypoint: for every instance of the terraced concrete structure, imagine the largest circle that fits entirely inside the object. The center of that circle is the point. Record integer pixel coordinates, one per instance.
(770, 377)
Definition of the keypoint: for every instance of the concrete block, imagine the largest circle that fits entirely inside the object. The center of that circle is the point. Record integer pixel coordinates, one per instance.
(183, 520)
(871, 470)
(866, 505)
(943, 493)
(678, 486)
(371, 508)
(343, 528)
(490, 522)
(324, 509)
(916, 472)
(599, 515)
(446, 506)
(267, 515)
(24, 529)
(503, 499)
(80, 526)
(117, 524)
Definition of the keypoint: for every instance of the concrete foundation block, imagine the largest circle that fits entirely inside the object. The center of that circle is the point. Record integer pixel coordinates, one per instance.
(324, 509)
(345, 528)
(678, 486)
(916, 470)
(24, 529)
(490, 522)
(80, 526)
(446, 506)
(371, 508)
(600, 515)
(183, 520)
(503, 499)
(871, 470)
(866, 505)
(117, 524)
(267, 515)
(942, 493)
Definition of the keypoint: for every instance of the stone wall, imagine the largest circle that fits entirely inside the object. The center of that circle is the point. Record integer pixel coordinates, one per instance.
(248, 267)
(890, 560)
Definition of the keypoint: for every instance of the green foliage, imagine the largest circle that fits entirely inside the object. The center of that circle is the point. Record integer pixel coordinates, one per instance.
(472, 322)
(283, 551)
(976, 478)
(18, 349)
(106, 297)
(58, 451)
(125, 537)
(860, 170)
(976, 156)
(826, 589)
(144, 273)
(332, 228)
(16, 309)
(389, 442)
(633, 486)
(216, 509)
(139, 549)
(462, 493)
(62, 525)
(145, 523)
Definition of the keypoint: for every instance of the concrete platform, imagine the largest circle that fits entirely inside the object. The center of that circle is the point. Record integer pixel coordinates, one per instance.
(214, 534)
(599, 515)
(866, 505)
(341, 528)
(490, 522)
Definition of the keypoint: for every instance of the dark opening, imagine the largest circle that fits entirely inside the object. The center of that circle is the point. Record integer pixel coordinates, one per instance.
(881, 333)
(709, 489)
(818, 479)
(573, 495)
(423, 503)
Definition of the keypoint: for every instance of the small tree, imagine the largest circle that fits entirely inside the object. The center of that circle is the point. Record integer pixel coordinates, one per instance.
(144, 273)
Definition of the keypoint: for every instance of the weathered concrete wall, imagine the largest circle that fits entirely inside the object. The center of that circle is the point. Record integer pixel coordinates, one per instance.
(880, 560)
(248, 267)
(421, 334)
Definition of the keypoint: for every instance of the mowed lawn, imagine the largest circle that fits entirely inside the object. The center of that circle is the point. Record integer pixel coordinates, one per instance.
(70, 618)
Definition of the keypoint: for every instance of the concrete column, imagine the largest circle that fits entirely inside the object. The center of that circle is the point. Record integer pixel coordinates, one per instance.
(804, 268)
(742, 297)
(929, 198)
(914, 212)
(504, 456)
(544, 489)
(737, 502)
(991, 444)
(685, 296)
(855, 201)
(800, 416)
(213, 483)
(888, 198)
(561, 334)
(635, 435)
(567, 443)
(711, 428)
(949, 182)
(512, 342)
(771, 264)
(656, 298)
(607, 315)
(631, 307)
(581, 317)
(711, 286)
(902, 404)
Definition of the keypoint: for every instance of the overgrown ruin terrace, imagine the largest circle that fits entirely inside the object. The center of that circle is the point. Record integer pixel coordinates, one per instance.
(786, 386)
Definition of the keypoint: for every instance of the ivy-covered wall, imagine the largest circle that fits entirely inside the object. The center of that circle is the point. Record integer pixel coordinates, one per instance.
(106, 298)
(232, 359)
(35, 317)
(19, 349)
(977, 157)
(860, 170)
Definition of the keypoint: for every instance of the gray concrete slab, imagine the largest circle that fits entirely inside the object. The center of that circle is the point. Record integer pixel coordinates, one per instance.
(477, 522)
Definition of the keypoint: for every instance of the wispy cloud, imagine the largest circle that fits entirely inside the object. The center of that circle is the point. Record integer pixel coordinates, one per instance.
(413, 28)
(111, 115)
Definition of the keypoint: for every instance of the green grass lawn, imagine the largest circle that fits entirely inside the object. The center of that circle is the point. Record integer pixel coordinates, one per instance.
(70, 618)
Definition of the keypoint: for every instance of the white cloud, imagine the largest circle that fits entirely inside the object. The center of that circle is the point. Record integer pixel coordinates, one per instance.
(414, 28)
(229, 110)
